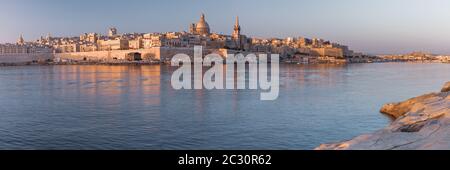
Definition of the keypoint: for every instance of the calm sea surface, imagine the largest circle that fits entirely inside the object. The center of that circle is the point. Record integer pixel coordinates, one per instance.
(135, 107)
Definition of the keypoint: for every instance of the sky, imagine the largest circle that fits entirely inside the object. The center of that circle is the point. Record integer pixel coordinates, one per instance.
(369, 26)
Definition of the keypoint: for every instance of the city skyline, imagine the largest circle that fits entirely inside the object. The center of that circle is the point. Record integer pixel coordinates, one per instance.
(417, 26)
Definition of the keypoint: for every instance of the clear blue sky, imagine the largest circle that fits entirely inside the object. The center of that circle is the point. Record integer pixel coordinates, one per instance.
(372, 26)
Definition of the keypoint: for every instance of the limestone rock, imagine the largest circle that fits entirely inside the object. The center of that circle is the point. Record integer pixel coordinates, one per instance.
(446, 87)
(421, 123)
(397, 110)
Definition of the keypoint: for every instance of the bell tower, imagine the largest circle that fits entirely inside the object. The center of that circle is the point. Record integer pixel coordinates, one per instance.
(21, 41)
(237, 30)
(237, 38)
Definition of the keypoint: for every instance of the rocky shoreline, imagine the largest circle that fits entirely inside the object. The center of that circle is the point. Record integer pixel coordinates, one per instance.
(421, 123)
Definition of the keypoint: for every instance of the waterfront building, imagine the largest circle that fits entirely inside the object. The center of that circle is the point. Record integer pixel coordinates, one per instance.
(153, 40)
(23, 49)
(117, 44)
(328, 52)
(13, 49)
(444, 59)
(88, 47)
(89, 37)
(67, 48)
(136, 43)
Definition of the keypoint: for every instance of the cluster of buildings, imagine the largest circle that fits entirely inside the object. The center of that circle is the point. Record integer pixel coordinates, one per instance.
(162, 46)
(119, 46)
(22, 47)
(199, 34)
(25, 52)
(416, 57)
(298, 49)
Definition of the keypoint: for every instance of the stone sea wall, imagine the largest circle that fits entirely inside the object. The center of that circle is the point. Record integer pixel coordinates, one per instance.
(25, 58)
(421, 123)
(156, 53)
(108, 55)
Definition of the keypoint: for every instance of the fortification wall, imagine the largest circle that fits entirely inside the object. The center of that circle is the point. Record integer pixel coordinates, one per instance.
(109, 55)
(158, 53)
(24, 58)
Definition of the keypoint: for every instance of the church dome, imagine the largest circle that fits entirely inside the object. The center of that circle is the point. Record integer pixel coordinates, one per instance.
(202, 26)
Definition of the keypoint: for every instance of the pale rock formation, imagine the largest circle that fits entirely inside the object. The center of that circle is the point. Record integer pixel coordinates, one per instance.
(422, 123)
(446, 87)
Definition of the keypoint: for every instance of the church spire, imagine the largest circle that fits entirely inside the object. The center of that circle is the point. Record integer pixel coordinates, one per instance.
(21, 41)
(237, 29)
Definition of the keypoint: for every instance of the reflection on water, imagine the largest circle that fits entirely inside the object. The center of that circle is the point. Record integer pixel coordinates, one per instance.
(135, 107)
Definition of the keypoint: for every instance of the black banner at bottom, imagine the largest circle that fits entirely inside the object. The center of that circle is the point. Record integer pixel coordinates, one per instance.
(223, 159)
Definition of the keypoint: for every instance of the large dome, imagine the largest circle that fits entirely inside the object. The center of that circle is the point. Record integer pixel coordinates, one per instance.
(202, 26)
